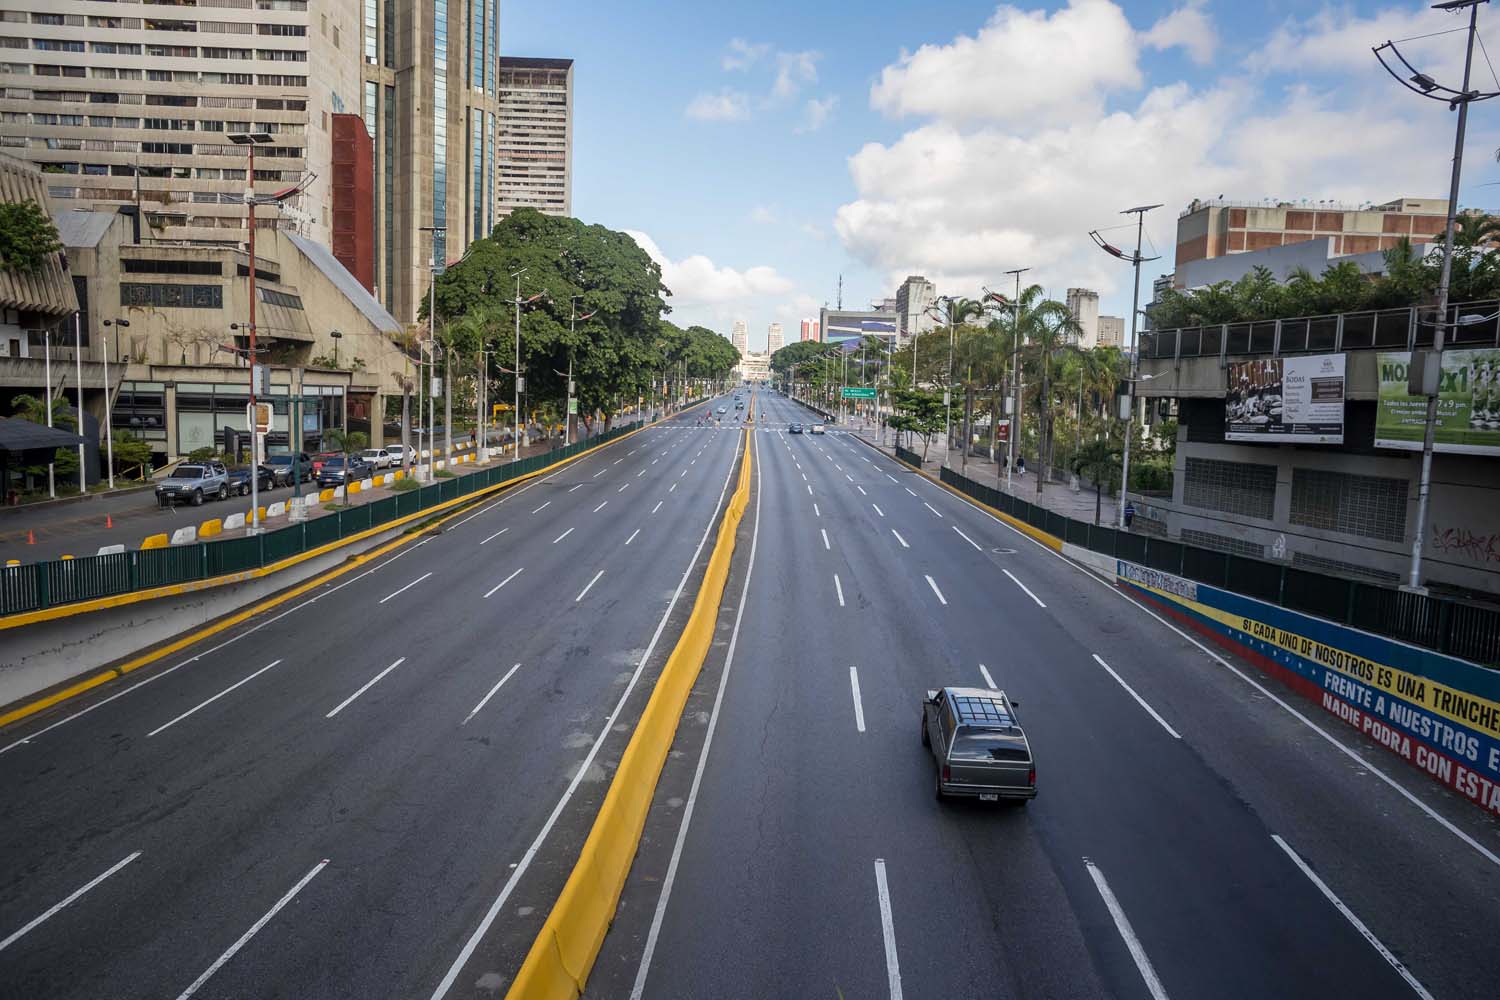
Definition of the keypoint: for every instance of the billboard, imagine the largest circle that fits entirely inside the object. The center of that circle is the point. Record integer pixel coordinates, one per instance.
(1297, 399)
(1468, 413)
(841, 326)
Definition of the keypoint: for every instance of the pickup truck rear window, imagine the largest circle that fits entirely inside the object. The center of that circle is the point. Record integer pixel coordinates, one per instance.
(988, 746)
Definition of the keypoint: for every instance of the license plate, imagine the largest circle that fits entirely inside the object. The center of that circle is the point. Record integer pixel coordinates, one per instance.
(989, 797)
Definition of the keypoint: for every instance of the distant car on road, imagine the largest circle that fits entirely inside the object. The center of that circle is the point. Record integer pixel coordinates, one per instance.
(335, 473)
(818, 428)
(980, 749)
(285, 465)
(794, 429)
(378, 457)
(740, 405)
(239, 479)
(723, 409)
(192, 483)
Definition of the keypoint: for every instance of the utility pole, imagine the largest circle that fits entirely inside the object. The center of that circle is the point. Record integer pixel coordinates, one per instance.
(1014, 430)
(520, 382)
(83, 479)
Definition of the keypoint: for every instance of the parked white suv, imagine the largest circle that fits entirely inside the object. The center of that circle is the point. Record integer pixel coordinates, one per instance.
(380, 458)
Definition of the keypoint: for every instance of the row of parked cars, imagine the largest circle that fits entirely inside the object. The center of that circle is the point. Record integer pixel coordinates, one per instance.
(194, 482)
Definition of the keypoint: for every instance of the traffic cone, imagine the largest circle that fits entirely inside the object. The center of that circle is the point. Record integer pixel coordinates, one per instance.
(30, 537)
(109, 522)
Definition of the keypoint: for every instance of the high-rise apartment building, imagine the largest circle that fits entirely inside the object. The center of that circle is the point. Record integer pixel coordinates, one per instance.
(741, 337)
(915, 296)
(810, 330)
(124, 102)
(1083, 303)
(536, 135)
(431, 99)
(774, 339)
(1111, 331)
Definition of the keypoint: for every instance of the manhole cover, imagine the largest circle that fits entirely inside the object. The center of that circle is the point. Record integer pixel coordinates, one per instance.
(1004, 552)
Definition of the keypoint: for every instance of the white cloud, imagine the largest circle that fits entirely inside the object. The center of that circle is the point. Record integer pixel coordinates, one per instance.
(793, 69)
(742, 54)
(1188, 27)
(763, 215)
(1336, 39)
(815, 113)
(725, 106)
(695, 280)
(1021, 66)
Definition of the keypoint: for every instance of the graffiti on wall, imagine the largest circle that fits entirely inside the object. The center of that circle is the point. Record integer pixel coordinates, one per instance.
(1467, 544)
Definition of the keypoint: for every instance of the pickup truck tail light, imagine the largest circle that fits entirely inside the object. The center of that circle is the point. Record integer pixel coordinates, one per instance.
(1031, 777)
(947, 773)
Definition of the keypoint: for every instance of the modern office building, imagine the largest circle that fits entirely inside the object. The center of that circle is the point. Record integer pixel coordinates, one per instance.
(774, 339)
(536, 135)
(741, 337)
(915, 296)
(810, 330)
(1111, 331)
(1083, 303)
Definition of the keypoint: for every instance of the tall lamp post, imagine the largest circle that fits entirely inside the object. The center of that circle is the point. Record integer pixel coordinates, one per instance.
(1426, 366)
(1014, 430)
(109, 433)
(1135, 362)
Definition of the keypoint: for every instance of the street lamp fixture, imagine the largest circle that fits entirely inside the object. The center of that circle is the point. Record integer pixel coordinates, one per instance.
(337, 336)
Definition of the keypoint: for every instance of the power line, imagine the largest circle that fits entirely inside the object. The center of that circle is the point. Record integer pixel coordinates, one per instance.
(1482, 49)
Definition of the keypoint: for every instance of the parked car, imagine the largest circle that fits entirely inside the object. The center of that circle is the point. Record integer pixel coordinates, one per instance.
(794, 429)
(334, 472)
(401, 454)
(287, 465)
(324, 457)
(192, 483)
(979, 747)
(239, 479)
(818, 428)
(378, 457)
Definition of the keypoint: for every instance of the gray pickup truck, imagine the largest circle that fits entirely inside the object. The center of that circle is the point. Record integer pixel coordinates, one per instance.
(192, 482)
(980, 750)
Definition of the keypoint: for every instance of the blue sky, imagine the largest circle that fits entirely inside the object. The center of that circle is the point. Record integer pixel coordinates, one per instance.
(1008, 133)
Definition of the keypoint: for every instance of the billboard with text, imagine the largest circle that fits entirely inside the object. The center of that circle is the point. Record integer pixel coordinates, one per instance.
(1295, 399)
(1468, 412)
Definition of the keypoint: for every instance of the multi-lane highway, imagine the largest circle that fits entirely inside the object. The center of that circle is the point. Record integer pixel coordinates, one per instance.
(1197, 834)
(339, 798)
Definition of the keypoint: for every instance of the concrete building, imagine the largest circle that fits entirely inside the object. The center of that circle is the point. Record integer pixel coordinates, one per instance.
(536, 135)
(810, 330)
(741, 337)
(123, 104)
(1112, 331)
(1313, 256)
(754, 368)
(915, 296)
(1209, 229)
(1083, 303)
(773, 338)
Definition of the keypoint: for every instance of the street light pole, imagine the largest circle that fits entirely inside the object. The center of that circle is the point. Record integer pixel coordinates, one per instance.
(83, 479)
(109, 433)
(1135, 362)
(516, 416)
(1014, 429)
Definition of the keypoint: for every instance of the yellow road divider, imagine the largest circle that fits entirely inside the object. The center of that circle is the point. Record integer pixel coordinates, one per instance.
(213, 526)
(160, 541)
(563, 954)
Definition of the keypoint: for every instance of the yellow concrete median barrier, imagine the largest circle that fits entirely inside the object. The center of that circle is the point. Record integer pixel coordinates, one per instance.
(160, 541)
(353, 489)
(563, 953)
(213, 526)
(325, 496)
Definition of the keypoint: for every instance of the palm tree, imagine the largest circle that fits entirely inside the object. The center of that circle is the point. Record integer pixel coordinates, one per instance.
(1047, 327)
(1097, 460)
(1474, 228)
(346, 442)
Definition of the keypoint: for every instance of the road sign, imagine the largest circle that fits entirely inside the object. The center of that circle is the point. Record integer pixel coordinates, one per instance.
(573, 406)
(858, 392)
(260, 415)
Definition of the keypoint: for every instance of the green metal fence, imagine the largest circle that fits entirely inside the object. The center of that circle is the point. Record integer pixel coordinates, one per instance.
(41, 585)
(1466, 630)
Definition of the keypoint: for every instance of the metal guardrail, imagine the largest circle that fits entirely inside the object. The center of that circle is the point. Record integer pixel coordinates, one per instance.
(1465, 630)
(42, 585)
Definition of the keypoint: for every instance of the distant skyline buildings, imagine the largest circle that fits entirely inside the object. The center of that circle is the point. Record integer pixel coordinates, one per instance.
(741, 337)
(774, 339)
(810, 330)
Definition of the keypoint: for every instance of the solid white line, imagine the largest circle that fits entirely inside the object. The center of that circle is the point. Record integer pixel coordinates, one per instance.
(404, 589)
(485, 700)
(72, 897)
(1138, 699)
(989, 681)
(536, 845)
(931, 508)
(495, 535)
(622, 489)
(503, 582)
(900, 539)
(543, 507)
(816, 511)
(840, 588)
(600, 507)
(824, 533)
(658, 506)
(891, 477)
(1122, 924)
(637, 531)
(933, 584)
(1023, 586)
(859, 708)
(888, 931)
(254, 929)
(877, 509)
(1359, 925)
(367, 685)
(968, 539)
(210, 701)
(586, 589)
(572, 488)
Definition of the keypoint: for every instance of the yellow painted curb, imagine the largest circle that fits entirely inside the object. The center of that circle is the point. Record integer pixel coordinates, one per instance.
(65, 557)
(557, 966)
(156, 542)
(324, 496)
(213, 526)
(351, 489)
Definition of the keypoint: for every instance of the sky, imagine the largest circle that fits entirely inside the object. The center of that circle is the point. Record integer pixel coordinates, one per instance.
(760, 151)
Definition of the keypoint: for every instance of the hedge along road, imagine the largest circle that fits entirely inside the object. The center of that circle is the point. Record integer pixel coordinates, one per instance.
(1192, 836)
(414, 726)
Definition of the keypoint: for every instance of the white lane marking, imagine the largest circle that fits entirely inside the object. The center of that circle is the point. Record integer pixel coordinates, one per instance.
(637, 531)
(658, 506)
(587, 588)
(838, 466)
(1359, 925)
(72, 897)
(989, 681)
(877, 509)
(521, 867)
(617, 461)
(599, 473)
(933, 584)
(848, 477)
(631, 452)
(1023, 586)
(859, 707)
(560, 537)
(1138, 699)
(839, 587)
(404, 589)
(622, 489)
(495, 535)
(693, 462)
(824, 533)
(640, 474)
(504, 582)
(655, 460)
(1122, 924)
(909, 490)
(542, 507)
(682, 473)
(816, 511)
(485, 700)
(861, 491)
(809, 489)
(797, 463)
(209, 701)
(887, 930)
(900, 539)
(572, 488)
(365, 687)
(891, 477)
(254, 929)
(600, 507)
(931, 508)
(672, 488)
(867, 460)
(804, 477)
(971, 542)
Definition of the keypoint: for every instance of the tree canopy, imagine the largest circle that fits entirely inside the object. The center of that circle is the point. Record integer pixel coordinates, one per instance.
(27, 236)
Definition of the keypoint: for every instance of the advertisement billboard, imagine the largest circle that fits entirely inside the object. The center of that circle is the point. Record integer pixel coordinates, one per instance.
(1297, 399)
(842, 326)
(1468, 412)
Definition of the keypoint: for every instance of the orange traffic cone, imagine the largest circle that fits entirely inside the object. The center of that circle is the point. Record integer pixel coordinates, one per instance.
(109, 522)
(30, 537)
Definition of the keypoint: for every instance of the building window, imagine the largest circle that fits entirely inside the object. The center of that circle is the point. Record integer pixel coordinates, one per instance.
(135, 266)
(440, 132)
(1231, 487)
(163, 296)
(372, 32)
(1368, 506)
(272, 297)
(476, 158)
(388, 56)
(372, 89)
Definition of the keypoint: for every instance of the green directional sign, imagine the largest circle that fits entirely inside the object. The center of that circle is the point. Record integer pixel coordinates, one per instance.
(857, 392)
